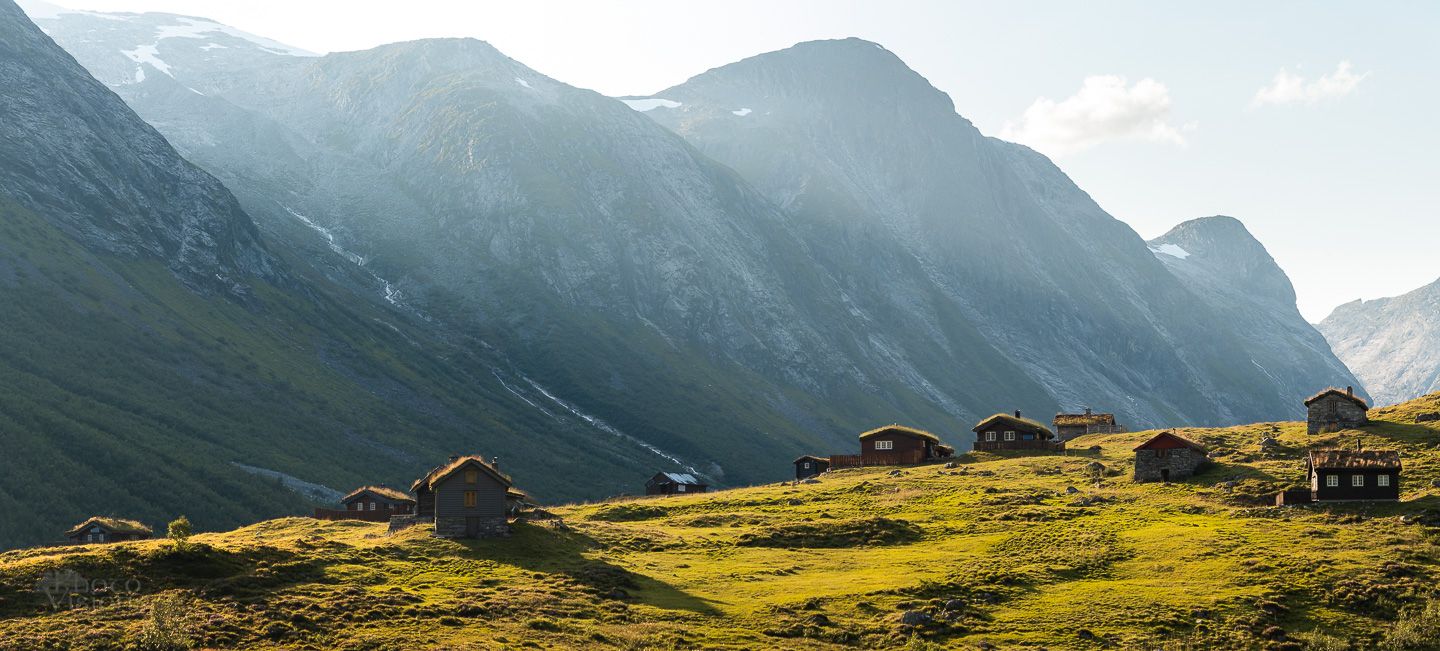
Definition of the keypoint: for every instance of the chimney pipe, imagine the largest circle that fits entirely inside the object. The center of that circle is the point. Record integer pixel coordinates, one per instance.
(495, 462)
(454, 457)
(1017, 413)
(1350, 391)
(1089, 411)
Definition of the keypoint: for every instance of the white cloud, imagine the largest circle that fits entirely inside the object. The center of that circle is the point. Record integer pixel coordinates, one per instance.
(1290, 88)
(1105, 108)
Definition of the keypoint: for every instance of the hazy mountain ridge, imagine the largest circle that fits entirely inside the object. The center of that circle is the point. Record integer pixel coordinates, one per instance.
(1392, 343)
(844, 136)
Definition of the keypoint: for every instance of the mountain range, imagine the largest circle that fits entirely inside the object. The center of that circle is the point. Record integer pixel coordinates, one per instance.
(1392, 343)
(431, 247)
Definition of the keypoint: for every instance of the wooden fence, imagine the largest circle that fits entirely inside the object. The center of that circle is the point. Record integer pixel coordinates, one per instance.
(899, 458)
(992, 446)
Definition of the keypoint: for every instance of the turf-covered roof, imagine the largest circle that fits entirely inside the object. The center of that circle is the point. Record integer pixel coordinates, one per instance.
(1077, 420)
(1170, 436)
(1355, 459)
(900, 429)
(382, 491)
(1348, 394)
(810, 457)
(1015, 422)
(440, 473)
(116, 525)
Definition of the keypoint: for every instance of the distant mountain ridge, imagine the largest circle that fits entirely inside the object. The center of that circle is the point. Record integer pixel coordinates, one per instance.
(859, 256)
(1392, 343)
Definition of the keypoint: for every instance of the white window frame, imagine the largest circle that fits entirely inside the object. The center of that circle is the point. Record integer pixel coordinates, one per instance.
(1009, 436)
(679, 488)
(884, 445)
(1383, 481)
(990, 436)
(1332, 481)
(372, 506)
(1357, 481)
(806, 465)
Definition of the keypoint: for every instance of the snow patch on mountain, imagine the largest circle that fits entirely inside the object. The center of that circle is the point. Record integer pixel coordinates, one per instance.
(1171, 250)
(650, 103)
(147, 55)
(522, 82)
(742, 112)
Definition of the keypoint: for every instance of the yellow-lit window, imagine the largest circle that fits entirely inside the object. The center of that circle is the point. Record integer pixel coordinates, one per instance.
(470, 499)
(472, 476)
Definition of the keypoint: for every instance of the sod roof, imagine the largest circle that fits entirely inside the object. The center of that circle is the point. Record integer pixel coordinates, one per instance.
(902, 430)
(116, 525)
(1016, 423)
(1343, 393)
(382, 491)
(1355, 459)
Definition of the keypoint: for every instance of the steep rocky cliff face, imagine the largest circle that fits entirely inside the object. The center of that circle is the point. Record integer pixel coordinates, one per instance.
(1393, 344)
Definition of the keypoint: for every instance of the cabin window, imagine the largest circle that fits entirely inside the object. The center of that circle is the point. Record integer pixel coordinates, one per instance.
(1382, 480)
(884, 445)
(679, 488)
(1332, 481)
(372, 506)
(1028, 437)
(1357, 481)
(989, 436)
(472, 476)
(1162, 453)
(1009, 436)
(470, 499)
(806, 466)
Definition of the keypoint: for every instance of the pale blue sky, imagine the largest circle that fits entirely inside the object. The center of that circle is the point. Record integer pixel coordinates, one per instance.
(1334, 176)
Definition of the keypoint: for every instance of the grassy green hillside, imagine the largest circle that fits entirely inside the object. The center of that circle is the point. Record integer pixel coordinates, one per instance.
(123, 392)
(996, 553)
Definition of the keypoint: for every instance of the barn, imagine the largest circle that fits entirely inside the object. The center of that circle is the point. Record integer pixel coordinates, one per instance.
(1167, 456)
(1007, 432)
(1333, 410)
(1069, 426)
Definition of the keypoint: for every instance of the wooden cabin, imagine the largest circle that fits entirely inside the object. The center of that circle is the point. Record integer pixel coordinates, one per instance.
(809, 465)
(1167, 457)
(370, 503)
(1333, 410)
(1346, 475)
(674, 483)
(1007, 432)
(894, 445)
(107, 530)
(1069, 426)
(466, 498)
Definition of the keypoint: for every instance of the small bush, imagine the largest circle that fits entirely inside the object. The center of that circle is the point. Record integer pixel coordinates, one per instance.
(179, 533)
(1416, 629)
(169, 626)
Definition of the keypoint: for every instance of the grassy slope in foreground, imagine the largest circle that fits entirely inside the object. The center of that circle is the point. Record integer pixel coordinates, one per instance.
(997, 553)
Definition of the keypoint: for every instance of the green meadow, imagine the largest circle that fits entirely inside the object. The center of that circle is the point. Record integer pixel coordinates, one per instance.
(1006, 552)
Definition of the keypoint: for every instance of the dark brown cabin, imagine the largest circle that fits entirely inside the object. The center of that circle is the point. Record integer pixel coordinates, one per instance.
(894, 445)
(466, 498)
(1006, 432)
(674, 483)
(1333, 410)
(1069, 426)
(107, 530)
(370, 503)
(1344, 475)
(1168, 457)
(809, 465)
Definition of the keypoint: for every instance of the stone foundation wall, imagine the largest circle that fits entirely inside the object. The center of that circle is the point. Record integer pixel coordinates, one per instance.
(455, 528)
(1181, 462)
(398, 522)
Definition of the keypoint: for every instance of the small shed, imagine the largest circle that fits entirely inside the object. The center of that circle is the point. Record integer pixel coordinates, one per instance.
(1007, 432)
(809, 465)
(1167, 456)
(107, 530)
(468, 497)
(1069, 426)
(674, 483)
(379, 499)
(1333, 410)
(1348, 475)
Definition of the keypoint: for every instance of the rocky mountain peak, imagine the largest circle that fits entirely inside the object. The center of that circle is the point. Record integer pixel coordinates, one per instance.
(1223, 247)
(71, 150)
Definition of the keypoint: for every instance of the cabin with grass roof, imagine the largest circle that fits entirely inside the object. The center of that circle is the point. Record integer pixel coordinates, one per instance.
(1353, 475)
(1007, 432)
(1333, 410)
(370, 503)
(468, 497)
(810, 465)
(1168, 457)
(99, 529)
(894, 445)
(1069, 426)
